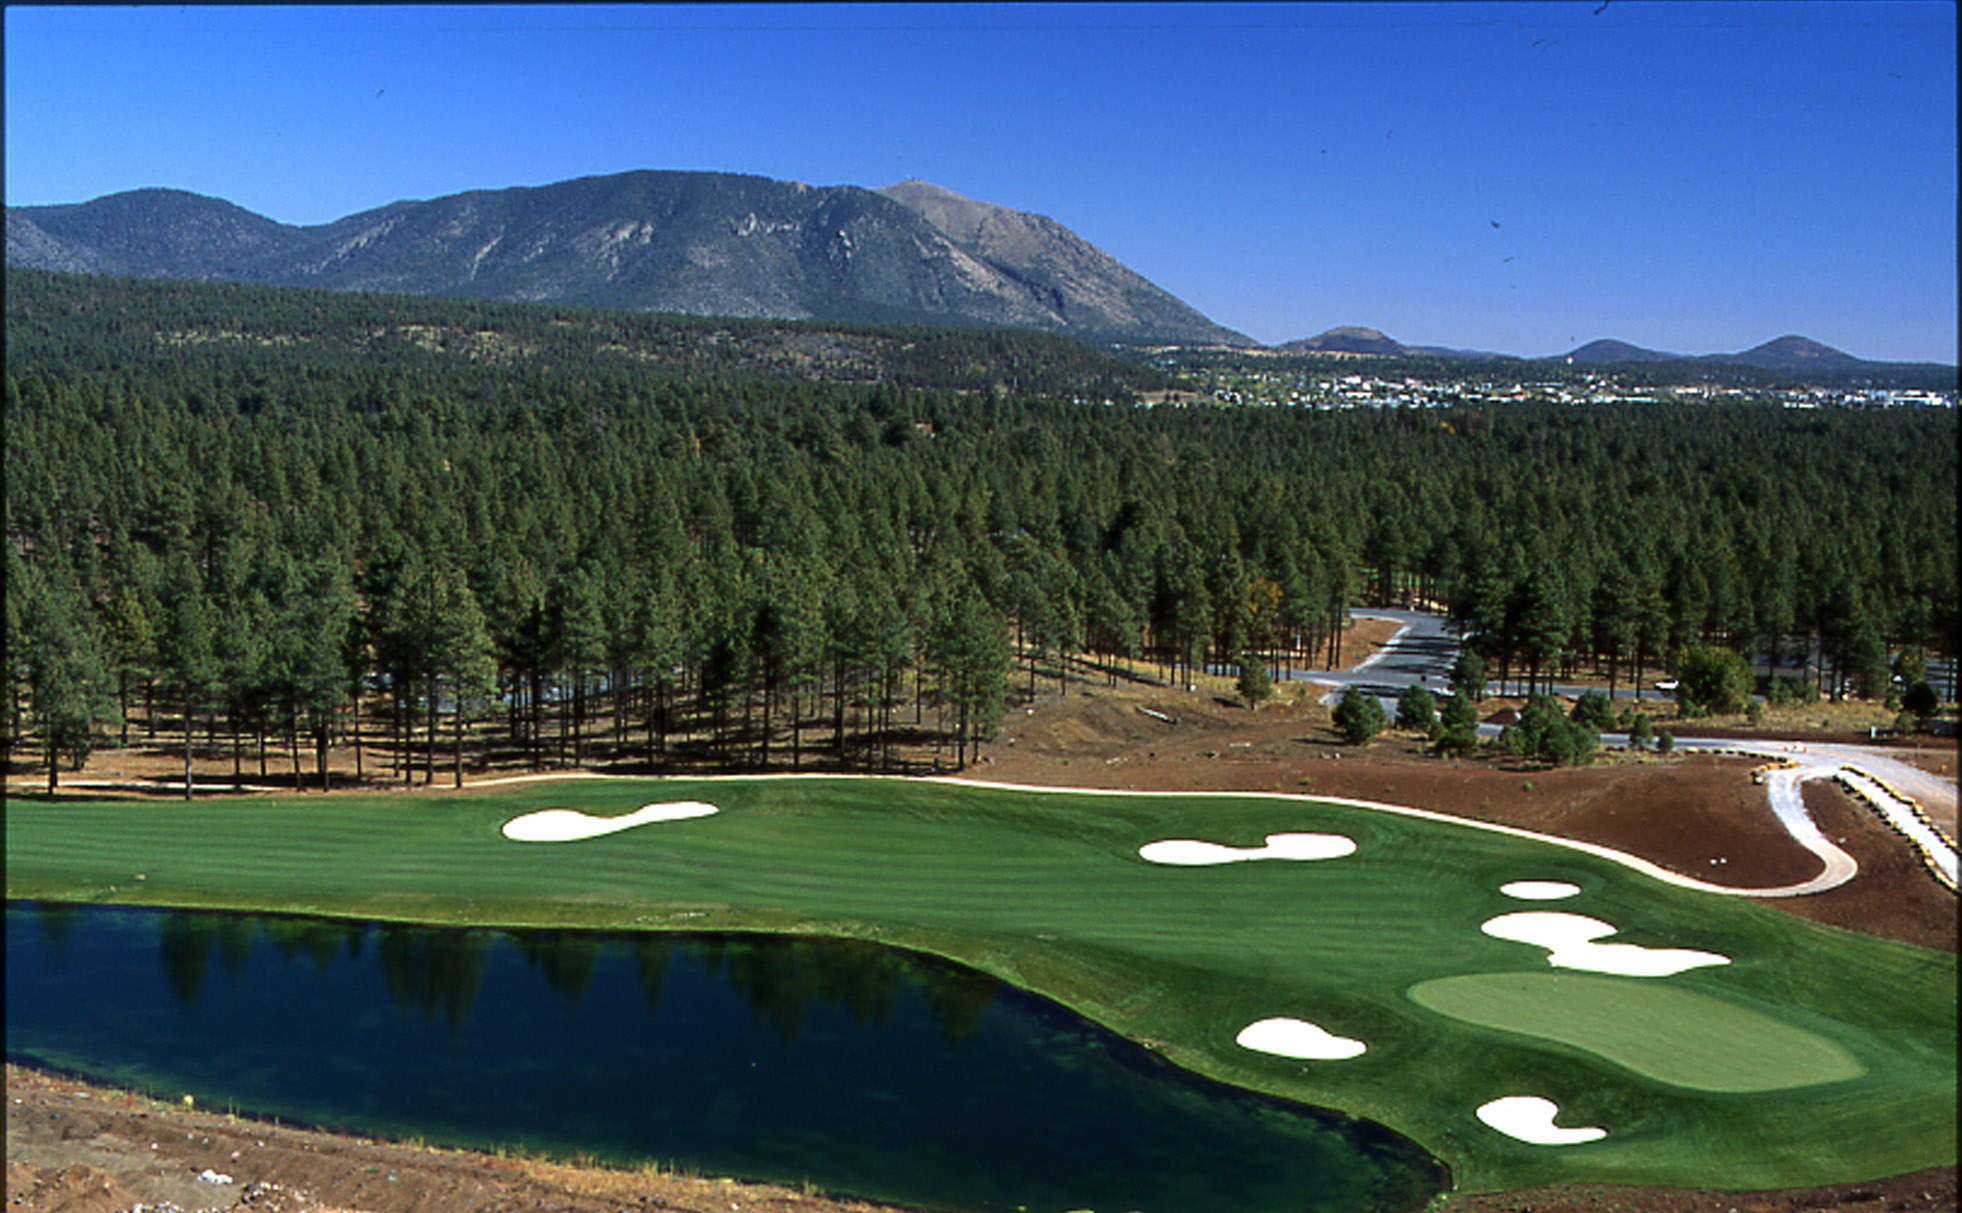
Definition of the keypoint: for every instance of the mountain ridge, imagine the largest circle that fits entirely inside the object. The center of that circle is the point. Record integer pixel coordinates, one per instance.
(699, 243)
(1789, 353)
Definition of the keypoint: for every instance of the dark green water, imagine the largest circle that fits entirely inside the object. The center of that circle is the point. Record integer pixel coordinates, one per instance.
(858, 1068)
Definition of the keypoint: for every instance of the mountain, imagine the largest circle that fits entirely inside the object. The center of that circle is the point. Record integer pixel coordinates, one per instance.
(151, 233)
(1346, 339)
(1069, 278)
(1789, 354)
(1792, 353)
(720, 244)
(1608, 352)
(1352, 339)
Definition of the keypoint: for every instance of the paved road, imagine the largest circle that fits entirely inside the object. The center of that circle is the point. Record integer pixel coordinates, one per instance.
(1895, 789)
(1425, 646)
(1421, 652)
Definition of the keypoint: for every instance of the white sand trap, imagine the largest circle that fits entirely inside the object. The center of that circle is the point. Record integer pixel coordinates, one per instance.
(1189, 852)
(1530, 1119)
(1540, 890)
(570, 825)
(1298, 1038)
(1570, 940)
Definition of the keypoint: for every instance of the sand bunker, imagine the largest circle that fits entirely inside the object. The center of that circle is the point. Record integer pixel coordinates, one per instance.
(1530, 1119)
(570, 825)
(1190, 852)
(1569, 938)
(1298, 1038)
(1540, 890)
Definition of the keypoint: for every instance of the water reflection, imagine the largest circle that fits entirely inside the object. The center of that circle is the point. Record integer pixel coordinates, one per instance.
(851, 1065)
(185, 941)
(783, 979)
(436, 972)
(318, 940)
(57, 923)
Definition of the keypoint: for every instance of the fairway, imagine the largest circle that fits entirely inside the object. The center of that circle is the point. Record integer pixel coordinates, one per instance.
(1809, 1056)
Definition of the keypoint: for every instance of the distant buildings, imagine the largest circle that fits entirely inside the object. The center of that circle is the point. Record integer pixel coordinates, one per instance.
(1299, 389)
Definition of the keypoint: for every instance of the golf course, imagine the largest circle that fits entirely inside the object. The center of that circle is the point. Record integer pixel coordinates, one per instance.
(1530, 1011)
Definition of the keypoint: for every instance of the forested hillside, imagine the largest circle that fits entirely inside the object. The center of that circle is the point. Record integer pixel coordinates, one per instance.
(88, 323)
(482, 530)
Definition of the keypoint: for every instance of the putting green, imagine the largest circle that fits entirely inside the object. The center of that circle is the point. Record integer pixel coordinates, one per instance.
(1048, 890)
(1672, 1035)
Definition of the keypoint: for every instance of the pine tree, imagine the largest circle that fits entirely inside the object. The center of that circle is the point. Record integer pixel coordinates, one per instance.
(67, 676)
(1254, 685)
(185, 647)
(462, 655)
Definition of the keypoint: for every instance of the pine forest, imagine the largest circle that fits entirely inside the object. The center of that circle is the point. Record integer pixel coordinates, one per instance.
(257, 523)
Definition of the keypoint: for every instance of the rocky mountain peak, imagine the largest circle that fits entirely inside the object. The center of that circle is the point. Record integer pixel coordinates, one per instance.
(703, 243)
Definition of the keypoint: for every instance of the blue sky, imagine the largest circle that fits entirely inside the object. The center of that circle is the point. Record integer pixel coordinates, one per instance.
(1694, 177)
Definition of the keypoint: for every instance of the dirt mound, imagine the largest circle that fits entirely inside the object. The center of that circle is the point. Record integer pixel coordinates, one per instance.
(76, 1148)
(70, 1189)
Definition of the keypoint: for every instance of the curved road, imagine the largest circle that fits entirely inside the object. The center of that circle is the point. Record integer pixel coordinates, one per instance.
(1425, 646)
(1894, 789)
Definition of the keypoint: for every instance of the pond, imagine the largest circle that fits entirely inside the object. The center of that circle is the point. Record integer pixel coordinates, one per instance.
(854, 1067)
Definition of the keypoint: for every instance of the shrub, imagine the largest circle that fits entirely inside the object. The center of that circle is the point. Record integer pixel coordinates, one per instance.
(1593, 710)
(1712, 680)
(1922, 700)
(1417, 710)
(1640, 730)
(1456, 743)
(1255, 683)
(1785, 690)
(1458, 712)
(1359, 717)
(1665, 741)
(1543, 732)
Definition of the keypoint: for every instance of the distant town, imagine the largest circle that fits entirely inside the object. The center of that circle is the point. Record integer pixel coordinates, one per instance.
(1344, 388)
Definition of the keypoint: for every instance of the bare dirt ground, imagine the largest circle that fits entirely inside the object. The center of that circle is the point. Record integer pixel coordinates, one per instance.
(76, 1148)
(79, 1149)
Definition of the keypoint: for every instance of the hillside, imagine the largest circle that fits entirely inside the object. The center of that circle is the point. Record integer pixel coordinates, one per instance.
(1794, 353)
(1064, 275)
(1347, 339)
(1610, 352)
(127, 322)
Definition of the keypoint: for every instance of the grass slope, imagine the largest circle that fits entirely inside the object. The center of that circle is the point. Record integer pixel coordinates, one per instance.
(1046, 890)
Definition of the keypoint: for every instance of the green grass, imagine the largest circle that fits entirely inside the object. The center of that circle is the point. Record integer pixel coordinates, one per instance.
(1046, 890)
(1672, 1035)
